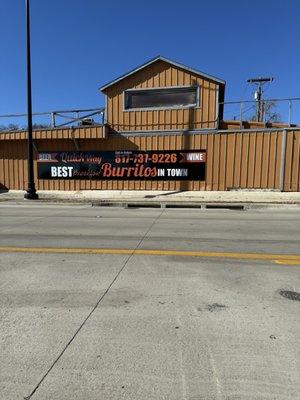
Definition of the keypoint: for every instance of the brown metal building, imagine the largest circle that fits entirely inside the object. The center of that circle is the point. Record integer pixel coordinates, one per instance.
(159, 110)
(165, 78)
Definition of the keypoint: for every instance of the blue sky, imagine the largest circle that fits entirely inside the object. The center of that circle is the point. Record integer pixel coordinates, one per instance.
(79, 45)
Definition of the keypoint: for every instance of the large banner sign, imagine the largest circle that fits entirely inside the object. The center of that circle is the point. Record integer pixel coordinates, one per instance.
(124, 164)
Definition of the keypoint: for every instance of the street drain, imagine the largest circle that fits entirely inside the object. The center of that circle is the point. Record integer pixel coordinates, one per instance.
(288, 294)
(225, 206)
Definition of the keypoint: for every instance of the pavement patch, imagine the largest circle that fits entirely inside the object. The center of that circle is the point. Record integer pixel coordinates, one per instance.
(212, 307)
(215, 307)
(291, 295)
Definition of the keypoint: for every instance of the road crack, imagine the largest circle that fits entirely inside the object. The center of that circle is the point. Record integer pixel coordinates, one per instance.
(93, 309)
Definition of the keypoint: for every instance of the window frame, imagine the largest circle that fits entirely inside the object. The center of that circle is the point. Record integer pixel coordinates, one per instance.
(196, 105)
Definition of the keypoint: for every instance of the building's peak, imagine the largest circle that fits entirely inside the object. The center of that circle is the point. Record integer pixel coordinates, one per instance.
(161, 58)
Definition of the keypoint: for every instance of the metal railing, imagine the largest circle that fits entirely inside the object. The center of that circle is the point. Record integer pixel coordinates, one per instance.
(285, 110)
(53, 119)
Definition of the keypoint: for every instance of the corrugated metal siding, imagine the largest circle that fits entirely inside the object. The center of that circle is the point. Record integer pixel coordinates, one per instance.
(291, 176)
(249, 160)
(162, 74)
(90, 132)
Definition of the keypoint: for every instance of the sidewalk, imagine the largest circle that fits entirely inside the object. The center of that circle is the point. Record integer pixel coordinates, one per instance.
(163, 198)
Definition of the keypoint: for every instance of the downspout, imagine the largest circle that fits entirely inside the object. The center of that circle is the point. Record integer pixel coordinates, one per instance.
(282, 162)
(221, 98)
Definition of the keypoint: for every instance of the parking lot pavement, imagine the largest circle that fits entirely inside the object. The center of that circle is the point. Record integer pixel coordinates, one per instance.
(132, 326)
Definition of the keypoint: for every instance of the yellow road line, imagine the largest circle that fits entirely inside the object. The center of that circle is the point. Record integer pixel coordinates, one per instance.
(288, 262)
(70, 250)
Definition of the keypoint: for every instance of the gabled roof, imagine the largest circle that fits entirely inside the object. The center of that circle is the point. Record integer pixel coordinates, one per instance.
(160, 58)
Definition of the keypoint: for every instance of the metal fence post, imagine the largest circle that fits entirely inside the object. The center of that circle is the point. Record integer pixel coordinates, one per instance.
(241, 115)
(290, 112)
(53, 119)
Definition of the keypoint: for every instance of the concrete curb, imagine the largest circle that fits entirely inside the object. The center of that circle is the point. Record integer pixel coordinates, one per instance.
(235, 200)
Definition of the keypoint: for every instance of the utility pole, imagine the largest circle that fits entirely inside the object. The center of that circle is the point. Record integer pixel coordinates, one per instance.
(259, 82)
(31, 192)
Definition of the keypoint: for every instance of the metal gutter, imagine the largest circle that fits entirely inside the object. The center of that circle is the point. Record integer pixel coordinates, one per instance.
(193, 132)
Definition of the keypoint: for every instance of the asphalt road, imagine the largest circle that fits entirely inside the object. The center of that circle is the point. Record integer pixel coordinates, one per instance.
(202, 319)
